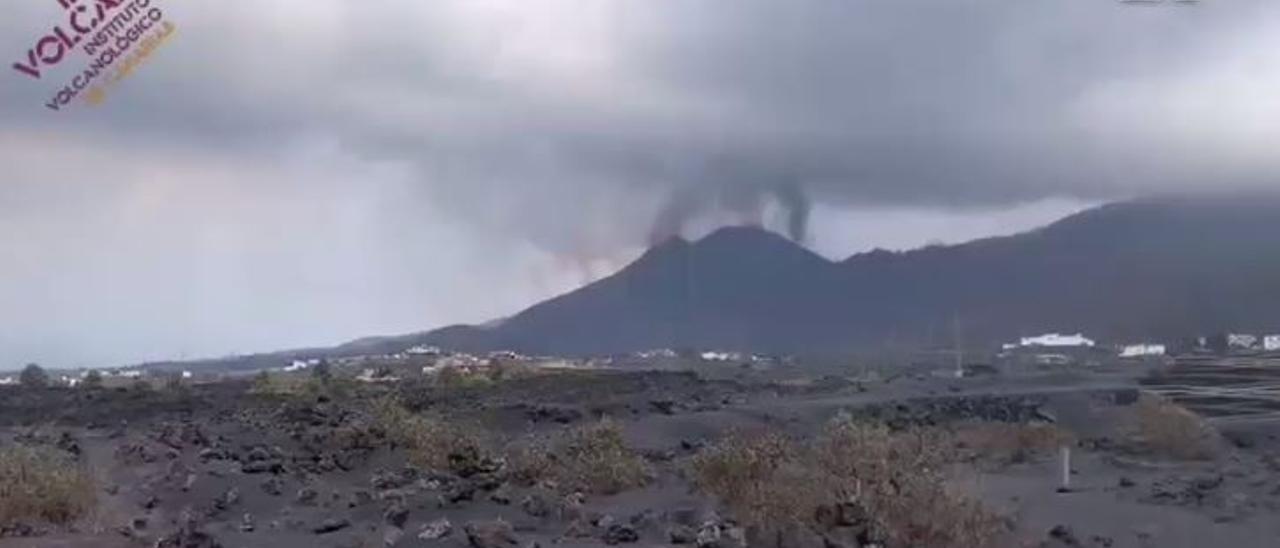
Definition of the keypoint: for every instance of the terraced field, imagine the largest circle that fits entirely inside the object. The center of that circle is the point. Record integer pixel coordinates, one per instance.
(1223, 389)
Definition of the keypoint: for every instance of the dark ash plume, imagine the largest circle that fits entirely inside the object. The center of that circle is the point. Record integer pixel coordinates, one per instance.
(680, 208)
(796, 202)
(744, 202)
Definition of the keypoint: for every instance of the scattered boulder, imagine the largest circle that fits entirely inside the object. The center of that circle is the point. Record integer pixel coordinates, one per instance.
(578, 529)
(556, 414)
(360, 497)
(471, 461)
(189, 535)
(307, 496)
(331, 526)
(682, 534)
(490, 534)
(20, 530)
(844, 514)
(620, 533)
(716, 534)
(273, 486)
(436, 530)
(663, 406)
(262, 467)
(571, 506)
(1064, 535)
(396, 515)
(393, 536)
(68, 443)
(536, 505)
(228, 499)
(458, 492)
(501, 495)
(1101, 541)
(386, 480)
(212, 454)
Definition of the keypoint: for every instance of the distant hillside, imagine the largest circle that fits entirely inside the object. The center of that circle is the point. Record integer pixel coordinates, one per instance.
(1149, 269)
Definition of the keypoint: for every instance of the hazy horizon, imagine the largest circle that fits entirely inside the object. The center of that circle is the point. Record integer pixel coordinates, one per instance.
(943, 229)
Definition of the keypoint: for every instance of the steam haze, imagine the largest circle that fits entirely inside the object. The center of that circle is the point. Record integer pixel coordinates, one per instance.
(285, 172)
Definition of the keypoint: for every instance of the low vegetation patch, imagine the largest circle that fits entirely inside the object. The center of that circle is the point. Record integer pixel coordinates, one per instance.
(42, 485)
(1168, 430)
(1003, 443)
(434, 442)
(762, 478)
(455, 379)
(595, 458)
(592, 458)
(856, 478)
(281, 385)
(266, 384)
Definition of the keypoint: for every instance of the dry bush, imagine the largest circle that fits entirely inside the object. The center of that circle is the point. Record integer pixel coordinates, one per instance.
(44, 485)
(329, 386)
(759, 477)
(502, 371)
(433, 442)
(1169, 430)
(891, 483)
(449, 377)
(595, 458)
(456, 378)
(266, 384)
(532, 460)
(591, 458)
(1009, 443)
(897, 480)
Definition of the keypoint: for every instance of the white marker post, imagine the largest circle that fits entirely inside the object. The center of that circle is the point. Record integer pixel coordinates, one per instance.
(1066, 470)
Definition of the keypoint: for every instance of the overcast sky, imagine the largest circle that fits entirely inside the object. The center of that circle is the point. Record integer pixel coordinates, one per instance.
(298, 172)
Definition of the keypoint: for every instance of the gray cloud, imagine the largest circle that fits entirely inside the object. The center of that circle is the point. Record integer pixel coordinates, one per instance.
(575, 131)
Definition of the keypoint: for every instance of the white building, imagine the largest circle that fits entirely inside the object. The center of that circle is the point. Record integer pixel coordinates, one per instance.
(460, 360)
(1053, 340)
(1271, 343)
(1142, 350)
(297, 365)
(1057, 340)
(1242, 341)
(421, 350)
(372, 375)
(715, 356)
(8, 381)
(557, 363)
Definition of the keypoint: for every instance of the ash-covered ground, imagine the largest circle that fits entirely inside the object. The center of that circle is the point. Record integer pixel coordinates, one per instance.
(670, 458)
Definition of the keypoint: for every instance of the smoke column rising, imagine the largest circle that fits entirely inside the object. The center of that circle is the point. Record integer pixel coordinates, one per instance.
(745, 202)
